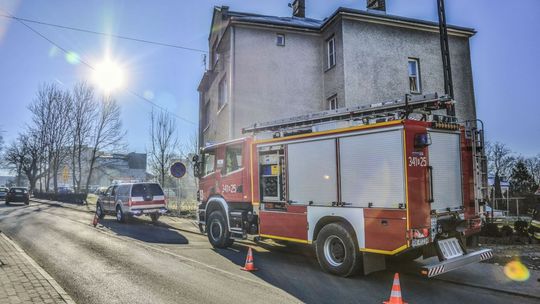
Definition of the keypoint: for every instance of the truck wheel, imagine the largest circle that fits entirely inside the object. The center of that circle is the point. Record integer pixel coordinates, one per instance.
(337, 251)
(154, 217)
(218, 234)
(99, 211)
(120, 216)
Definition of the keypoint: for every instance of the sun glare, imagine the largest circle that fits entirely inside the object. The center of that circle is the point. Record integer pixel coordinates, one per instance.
(109, 76)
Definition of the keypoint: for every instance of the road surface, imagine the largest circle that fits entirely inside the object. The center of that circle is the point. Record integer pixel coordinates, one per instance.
(142, 263)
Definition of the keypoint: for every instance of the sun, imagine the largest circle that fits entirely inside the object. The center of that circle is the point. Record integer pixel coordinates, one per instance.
(108, 76)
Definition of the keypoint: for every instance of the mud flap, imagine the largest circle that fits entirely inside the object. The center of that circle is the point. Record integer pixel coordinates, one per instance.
(373, 262)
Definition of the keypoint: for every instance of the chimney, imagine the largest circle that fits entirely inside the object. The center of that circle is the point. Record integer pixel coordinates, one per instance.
(376, 6)
(299, 8)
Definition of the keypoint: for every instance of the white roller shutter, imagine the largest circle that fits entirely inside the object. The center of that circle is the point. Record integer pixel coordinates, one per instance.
(445, 158)
(312, 172)
(372, 169)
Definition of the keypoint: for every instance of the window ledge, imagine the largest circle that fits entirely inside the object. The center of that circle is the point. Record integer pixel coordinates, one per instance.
(330, 68)
(223, 106)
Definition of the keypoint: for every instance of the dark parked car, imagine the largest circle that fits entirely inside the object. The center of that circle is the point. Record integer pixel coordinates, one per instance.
(18, 194)
(3, 193)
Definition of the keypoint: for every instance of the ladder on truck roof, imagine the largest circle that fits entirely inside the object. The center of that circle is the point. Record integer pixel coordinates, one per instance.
(394, 109)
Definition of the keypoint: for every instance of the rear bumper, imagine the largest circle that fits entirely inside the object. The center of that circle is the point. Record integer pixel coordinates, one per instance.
(143, 211)
(455, 263)
(17, 199)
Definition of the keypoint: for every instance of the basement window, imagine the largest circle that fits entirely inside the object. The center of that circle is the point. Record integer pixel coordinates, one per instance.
(332, 103)
(414, 75)
(280, 40)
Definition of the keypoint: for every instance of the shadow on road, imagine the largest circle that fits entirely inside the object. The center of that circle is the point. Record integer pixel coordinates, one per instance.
(294, 269)
(139, 230)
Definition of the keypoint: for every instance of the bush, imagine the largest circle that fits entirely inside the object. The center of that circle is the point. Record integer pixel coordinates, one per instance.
(521, 227)
(507, 230)
(491, 229)
(73, 198)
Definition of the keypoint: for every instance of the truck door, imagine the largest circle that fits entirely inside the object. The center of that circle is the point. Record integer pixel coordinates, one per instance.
(445, 170)
(232, 173)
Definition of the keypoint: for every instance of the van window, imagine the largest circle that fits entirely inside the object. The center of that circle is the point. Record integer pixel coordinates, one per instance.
(209, 162)
(233, 158)
(123, 190)
(142, 190)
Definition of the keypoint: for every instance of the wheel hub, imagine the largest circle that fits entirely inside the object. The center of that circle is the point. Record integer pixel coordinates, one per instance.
(334, 251)
(215, 230)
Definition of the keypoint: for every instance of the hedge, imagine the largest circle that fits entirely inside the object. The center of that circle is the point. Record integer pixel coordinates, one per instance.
(73, 198)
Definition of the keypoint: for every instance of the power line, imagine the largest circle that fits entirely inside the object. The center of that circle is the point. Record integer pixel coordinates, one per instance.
(105, 34)
(92, 68)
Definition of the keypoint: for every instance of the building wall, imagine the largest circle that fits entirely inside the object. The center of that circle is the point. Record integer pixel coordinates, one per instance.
(376, 57)
(273, 82)
(268, 82)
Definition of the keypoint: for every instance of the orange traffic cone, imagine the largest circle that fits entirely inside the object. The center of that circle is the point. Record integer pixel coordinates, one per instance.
(94, 222)
(395, 294)
(250, 266)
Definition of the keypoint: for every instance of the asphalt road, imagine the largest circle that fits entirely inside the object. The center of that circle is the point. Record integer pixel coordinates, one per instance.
(142, 263)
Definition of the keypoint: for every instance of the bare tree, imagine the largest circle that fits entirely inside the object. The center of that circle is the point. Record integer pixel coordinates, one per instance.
(14, 157)
(51, 112)
(106, 133)
(84, 114)
(164, 143)
(500, 163)
(533, 165)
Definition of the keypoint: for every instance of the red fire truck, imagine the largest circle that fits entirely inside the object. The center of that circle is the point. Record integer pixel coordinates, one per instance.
(359, 184)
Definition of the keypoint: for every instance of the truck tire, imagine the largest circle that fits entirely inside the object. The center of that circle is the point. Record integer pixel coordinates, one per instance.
(120, 216)
(337, 251)
(99, 211)
(154, 217)
(218, 234)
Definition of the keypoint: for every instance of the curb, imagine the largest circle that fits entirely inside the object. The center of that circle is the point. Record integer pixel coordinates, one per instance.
(65, 296)
(89, 211)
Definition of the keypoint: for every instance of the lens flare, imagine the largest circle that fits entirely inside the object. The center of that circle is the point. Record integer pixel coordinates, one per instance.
(73, 58)
(148, 94)
(516, 271)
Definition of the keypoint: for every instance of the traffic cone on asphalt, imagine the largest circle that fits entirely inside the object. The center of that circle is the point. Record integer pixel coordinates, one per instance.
(94, 222)
(395, 294)
(250, 266)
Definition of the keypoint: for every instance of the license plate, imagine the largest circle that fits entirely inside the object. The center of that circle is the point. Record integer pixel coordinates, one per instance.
(450, 248)
(420, 242)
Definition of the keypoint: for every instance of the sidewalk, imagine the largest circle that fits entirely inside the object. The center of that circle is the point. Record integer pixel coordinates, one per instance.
(178, 223)
(24, 281)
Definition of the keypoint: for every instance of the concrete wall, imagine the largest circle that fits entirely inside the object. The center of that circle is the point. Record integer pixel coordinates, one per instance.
(376, 56)
(273, 82)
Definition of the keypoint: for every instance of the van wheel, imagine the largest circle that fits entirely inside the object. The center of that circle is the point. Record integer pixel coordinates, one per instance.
(99, 211)
(337, 251)
(218, 234)
(154, 217)
(120, 216)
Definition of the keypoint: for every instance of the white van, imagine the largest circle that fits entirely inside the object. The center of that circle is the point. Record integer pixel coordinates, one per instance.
(132, 199)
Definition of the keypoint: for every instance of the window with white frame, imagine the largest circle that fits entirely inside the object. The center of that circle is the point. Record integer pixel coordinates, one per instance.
(331, 52)
(332, 103)
(414, 75)
(280, 40)
(223, 96)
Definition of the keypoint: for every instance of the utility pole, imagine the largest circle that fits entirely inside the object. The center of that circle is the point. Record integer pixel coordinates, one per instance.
(445, 52)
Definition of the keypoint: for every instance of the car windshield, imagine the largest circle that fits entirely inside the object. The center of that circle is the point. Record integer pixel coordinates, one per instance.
(18, 190)
(146, 190)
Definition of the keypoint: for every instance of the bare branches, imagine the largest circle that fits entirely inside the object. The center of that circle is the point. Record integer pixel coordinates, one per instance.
(106, 132)
(164, 143)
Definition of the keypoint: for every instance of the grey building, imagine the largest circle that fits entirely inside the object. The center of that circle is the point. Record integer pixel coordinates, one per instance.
(263, 68)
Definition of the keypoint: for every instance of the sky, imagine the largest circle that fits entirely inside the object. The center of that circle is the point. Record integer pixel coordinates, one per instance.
(505, 56)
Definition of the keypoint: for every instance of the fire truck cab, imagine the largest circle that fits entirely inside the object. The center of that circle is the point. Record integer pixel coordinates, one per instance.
(357, 189)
